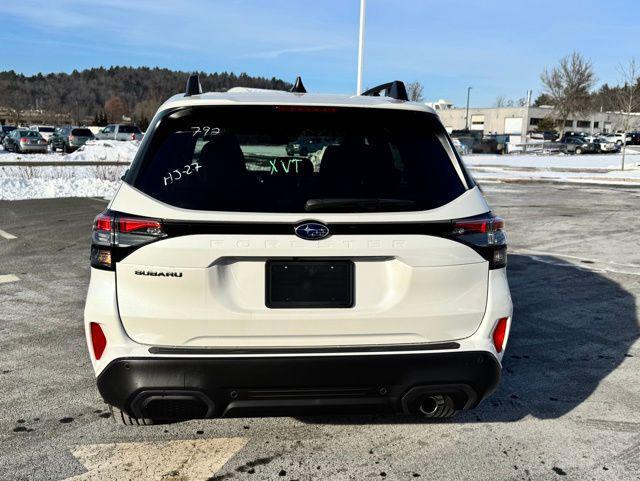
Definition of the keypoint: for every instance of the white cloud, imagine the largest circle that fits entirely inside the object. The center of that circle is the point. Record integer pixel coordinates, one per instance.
(285, 51)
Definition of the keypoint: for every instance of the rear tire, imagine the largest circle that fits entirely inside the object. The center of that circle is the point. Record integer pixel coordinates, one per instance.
(119, 416)
(578, 151)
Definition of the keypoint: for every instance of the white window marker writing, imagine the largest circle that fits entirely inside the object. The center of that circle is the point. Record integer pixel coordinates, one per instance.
(6, 235)
(5, 279)
(188, 169)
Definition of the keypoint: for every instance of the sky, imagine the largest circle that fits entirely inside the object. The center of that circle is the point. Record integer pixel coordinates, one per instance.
(497, 47)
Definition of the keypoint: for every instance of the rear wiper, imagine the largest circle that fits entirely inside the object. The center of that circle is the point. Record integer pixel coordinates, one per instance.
(358, 205)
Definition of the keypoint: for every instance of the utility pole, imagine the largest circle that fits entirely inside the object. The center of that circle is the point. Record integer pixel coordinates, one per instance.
(363, 4)
(466, 120)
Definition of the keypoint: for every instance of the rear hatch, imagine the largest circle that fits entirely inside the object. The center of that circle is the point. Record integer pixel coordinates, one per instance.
(80, 136)
(232, 242)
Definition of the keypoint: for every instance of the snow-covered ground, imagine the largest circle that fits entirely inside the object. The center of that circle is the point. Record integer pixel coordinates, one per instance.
(36, 181)
(590, 169)
(571, 162)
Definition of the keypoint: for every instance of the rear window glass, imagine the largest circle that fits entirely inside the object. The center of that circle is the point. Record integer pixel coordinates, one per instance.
(129, 129)
(8, 128)
(28, 133)
(45, 129)
(293, 159)
(82, 132)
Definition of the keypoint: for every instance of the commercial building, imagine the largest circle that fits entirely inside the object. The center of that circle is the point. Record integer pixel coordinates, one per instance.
(519, 121)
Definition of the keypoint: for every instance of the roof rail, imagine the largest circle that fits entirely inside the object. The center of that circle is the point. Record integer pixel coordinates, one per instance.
(193, 86)
(298, 87)
(395, 90)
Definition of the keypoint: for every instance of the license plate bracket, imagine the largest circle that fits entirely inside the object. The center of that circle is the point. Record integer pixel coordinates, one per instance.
(302, 283)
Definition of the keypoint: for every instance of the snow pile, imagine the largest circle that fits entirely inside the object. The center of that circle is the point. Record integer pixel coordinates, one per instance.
(105, 151)
(560, 161)
(39, 182)
(591, 169)
(34, 182)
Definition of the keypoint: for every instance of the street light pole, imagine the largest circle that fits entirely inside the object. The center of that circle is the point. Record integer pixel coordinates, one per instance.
(466, 119)
(363, 4)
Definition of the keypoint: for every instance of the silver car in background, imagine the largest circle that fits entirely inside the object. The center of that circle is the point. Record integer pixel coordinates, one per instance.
(45, 130)
(22, 141)
(120, 132)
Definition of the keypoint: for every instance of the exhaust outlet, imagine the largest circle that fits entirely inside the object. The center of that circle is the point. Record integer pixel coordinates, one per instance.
(429, 405)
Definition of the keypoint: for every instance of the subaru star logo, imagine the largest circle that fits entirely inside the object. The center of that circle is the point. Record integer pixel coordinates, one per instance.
(312, 231)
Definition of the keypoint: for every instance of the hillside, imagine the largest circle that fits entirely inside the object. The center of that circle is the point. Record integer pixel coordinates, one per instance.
(105, 93)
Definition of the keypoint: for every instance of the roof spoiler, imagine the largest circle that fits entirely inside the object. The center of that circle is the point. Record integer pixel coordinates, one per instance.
(193, 86)
(395, 90)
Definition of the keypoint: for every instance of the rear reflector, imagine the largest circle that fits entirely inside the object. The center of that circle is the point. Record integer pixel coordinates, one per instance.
(98, 340)
(499, 333)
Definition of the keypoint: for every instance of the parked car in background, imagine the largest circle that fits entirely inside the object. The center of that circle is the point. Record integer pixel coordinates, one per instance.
(617, 138)
(69, 139)
(23, 141)
(635, 138)
(120, 132)
(6, 130)
(44, 130)
(306, 145)
(577, 145)
(605, 145)
(491, 144)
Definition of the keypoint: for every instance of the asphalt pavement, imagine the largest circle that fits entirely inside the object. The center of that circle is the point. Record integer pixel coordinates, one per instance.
(568, 406)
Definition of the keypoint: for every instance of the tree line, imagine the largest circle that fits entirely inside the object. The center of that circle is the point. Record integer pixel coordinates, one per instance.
(101, 95)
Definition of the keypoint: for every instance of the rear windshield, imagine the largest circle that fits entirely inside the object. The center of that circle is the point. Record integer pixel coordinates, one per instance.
(129, 129)
(8, 128)
(45, 129)
(298, 159)
(28, 133)
(82, 132)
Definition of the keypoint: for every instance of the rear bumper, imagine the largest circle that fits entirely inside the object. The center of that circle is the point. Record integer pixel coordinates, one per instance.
(174, 388)
(33, 148)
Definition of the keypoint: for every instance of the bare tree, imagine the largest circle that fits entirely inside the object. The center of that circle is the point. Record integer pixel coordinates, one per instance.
(568, 85)
(116, 108)
(628, 99)
(500, 102)
(415, 91)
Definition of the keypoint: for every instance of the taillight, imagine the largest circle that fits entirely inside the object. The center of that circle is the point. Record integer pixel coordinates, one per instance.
(499, 333)
(485, 234)
(98, 340)
(114, 235)
(24, 140)
(133, 136)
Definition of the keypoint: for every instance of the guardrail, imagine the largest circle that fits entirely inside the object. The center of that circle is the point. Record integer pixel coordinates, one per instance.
(541, 147)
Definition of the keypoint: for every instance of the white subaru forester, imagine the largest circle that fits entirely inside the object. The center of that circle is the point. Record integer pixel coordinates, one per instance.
(284, 252)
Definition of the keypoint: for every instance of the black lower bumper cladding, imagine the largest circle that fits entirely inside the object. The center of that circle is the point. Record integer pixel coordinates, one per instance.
(175, 388)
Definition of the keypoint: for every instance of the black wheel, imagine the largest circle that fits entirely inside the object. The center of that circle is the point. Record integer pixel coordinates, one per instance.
(120, 416)
(52, 147)
(578, 151)
(65, 148)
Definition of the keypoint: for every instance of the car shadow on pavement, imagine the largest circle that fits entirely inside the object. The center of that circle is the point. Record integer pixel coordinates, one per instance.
(572, 327)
